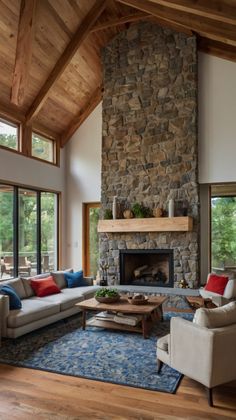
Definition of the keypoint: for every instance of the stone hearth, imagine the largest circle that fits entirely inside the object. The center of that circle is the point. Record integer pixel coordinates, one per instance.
(149, 148)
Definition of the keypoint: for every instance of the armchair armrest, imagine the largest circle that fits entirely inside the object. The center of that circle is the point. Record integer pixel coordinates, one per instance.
(4, 312)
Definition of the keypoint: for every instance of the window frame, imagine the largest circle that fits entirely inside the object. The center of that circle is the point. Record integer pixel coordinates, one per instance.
(85, 239)
(18, 136)
(54, 147)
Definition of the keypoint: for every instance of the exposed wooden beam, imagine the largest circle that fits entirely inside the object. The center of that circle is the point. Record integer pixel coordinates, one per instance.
(66, 57)
(120, 21)
(203, 26)
(23, 51)
(220, 10)
(227, 52)
(82, 115)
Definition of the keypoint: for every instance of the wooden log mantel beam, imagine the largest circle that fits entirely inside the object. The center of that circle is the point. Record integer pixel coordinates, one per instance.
(66, 57)
(23, 51)
(202, 25)
(82, 115)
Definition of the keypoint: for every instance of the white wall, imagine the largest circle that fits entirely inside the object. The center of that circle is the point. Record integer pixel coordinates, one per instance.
(217, 119)
(21, 170)
(83, 180)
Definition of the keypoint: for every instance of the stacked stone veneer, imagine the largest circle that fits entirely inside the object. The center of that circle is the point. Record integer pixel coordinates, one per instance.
(149, 146)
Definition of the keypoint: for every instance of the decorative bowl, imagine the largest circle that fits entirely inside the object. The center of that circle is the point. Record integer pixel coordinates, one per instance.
(138, 301)
(107, 299)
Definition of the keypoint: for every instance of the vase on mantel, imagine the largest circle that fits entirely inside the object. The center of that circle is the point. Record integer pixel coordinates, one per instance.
(171, 208)
(114, 207)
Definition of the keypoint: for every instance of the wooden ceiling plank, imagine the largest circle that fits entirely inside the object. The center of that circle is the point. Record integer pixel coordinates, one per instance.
(217, 48)
(23, 51)
(66, 57)
(81, 117)
(120, 21)
(219, 10)
(11, 112)
(206, 27)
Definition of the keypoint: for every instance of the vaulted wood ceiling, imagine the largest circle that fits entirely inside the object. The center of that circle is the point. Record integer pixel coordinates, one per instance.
(50, 69)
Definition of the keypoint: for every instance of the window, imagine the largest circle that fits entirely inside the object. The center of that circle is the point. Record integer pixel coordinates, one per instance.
(90, 238)
(43, 148)
(8, 135)
(28, 231)
(223, 227)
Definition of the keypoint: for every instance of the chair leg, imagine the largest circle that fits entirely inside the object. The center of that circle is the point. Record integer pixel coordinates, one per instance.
(159, 365)
(209, 396)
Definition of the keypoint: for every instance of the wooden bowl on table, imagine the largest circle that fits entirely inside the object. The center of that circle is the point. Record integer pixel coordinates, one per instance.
(107, 299)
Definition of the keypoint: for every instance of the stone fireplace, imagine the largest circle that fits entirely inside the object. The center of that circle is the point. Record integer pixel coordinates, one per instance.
(142, 267)
(149, 142)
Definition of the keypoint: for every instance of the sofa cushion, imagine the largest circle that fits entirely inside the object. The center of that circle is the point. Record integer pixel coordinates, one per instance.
(15, 302)
(32, 310)
(27, 286)
(217, 317)
(18, 286)
(75, 279)
(59, 278)
(45, 287)
(230, 289)
(85, 291)
(65, 300)
(216, 283)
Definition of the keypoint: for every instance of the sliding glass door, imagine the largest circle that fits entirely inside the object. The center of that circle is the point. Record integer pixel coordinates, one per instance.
(28, 231)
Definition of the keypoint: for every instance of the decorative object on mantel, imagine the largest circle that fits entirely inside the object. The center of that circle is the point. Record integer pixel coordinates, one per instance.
(157, 212)
(114, 207)
(107, 214)
(183, 284)
(128, 214)
(171, 208)
(140, 211)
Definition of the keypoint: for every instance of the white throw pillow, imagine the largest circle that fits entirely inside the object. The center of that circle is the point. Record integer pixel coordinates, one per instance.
(217, 317)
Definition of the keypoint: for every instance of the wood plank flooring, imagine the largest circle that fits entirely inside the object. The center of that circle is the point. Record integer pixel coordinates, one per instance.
(30, 394)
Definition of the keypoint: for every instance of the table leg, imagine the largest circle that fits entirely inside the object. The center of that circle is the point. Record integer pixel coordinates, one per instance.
(144, 327)
(84, 319)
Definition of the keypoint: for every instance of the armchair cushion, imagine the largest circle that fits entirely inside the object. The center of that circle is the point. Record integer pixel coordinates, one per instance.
(217, 317)
(230, 289)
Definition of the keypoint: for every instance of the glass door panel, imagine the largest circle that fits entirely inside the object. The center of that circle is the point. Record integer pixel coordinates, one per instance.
(48, 232)
(6, 231)
(27, 260)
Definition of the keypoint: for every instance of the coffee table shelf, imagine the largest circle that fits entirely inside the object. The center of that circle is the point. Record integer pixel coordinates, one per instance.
(114, 325)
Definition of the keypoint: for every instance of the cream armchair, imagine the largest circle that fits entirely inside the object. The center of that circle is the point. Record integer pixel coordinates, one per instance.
(207, 355)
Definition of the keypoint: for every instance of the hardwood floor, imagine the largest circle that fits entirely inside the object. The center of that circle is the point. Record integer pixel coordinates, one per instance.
(30, 394)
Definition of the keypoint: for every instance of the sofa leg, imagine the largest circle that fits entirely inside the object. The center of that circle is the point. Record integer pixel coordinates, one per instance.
(159, 365)
(209, 396)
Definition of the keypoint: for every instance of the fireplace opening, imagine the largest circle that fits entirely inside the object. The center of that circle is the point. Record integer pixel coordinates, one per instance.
(147, 267)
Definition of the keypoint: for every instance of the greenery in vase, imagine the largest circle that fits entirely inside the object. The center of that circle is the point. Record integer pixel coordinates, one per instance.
(141, 211)
(104, 292)
(107, 214)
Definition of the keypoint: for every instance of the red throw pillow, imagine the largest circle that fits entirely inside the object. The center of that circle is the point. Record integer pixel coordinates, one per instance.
(216, 283)
(45, 287)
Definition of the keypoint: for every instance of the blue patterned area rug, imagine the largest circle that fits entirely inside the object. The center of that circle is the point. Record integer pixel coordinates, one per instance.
(99, 354)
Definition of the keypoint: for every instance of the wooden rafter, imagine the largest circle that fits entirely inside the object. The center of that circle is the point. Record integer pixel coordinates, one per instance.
(23, 51)
(66, 57)
(120, 21)
(217, 48)
(204, 26)
(82, 115)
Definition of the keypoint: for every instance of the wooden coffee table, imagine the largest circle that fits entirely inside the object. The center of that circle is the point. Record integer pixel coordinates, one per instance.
(150, 312)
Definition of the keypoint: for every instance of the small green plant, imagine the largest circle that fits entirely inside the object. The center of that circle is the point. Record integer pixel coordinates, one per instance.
(107, 214)
(104, 292)
(141, 211)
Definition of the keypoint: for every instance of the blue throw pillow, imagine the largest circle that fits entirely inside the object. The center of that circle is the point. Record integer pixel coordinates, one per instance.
(15, 302)
(75, 279)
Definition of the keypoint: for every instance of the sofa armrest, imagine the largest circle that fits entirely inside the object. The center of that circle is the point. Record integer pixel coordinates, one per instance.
(4, 312)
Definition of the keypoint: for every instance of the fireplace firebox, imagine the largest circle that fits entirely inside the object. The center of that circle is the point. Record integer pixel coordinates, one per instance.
(147, 267)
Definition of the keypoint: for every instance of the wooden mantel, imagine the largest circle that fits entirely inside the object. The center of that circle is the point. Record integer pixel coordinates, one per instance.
(155, 224)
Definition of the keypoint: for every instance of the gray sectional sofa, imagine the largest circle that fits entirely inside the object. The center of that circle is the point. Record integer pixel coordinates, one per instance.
(37, 312)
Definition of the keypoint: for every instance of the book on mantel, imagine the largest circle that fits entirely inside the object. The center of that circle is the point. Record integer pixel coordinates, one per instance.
(119, 318)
